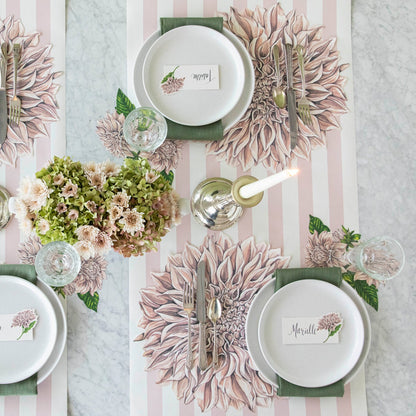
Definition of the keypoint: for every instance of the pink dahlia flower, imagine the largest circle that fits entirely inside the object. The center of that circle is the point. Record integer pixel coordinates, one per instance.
(36, 89)
(262, 134)
(237, 272)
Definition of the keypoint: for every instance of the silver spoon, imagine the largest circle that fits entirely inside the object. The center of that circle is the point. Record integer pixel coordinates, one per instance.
(214, 313)
(279, 95)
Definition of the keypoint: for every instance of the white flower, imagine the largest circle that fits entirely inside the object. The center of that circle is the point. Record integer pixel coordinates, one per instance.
(18, 208)
(87, 232)
(43, 226)
(132, 220)
(151, 177)
(85, 249)
(110, 168)
(26, 225)
(102, 243)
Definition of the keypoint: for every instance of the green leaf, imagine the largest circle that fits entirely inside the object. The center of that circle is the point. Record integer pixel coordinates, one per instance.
(315, 224)
(169, 75)
(349, 237)
(337, 328)
(123, 104)
(368, 292)
(168, 176)
(91, 302)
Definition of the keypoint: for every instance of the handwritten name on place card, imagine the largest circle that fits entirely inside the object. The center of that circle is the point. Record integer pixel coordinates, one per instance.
(18, 326)
(311, 330)
(191, 77)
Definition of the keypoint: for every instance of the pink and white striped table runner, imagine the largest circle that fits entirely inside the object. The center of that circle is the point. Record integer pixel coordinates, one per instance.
(48, 18)
(326, 188)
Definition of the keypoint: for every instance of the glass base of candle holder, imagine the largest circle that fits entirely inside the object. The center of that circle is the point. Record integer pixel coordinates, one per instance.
(57, 264)
(213, 206)
(4, 207)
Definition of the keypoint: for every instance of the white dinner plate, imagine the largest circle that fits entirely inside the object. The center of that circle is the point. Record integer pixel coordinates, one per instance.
(252, 340)
(21, 359)
(239, 109)
(194, 45)
(61, 336)
(310, 365)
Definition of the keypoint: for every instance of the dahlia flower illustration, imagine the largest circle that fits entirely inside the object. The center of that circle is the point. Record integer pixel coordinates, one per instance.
(262, 134)
(36, 89)
(237, 272)
(331, 322)
(325, 250)
(173, 85)
(110, 132)
(166, 157)
(26, 320)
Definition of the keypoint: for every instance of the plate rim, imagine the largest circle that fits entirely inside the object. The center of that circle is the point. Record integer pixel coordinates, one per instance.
(245, 100)
(217, 36)
(35, 288)
(255, 350)
(60, 345)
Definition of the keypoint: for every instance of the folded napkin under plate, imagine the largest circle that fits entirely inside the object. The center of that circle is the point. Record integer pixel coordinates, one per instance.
(213, 131)
(287, 276)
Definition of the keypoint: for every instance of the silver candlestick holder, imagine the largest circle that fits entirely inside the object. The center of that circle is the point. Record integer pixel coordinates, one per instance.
(217, 204)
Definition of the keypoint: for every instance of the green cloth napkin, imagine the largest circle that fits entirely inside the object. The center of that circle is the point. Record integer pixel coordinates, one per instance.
(213, 131)
(28, 386)
(283, 277)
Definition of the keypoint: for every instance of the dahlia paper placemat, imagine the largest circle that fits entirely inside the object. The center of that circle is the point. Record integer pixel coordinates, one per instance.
(257, 145)
(28, 146)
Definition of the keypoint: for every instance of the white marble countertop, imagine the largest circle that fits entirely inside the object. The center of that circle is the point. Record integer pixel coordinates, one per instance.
(384, 55)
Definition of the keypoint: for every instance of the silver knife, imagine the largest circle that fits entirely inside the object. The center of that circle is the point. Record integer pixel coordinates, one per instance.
(3, 98)
(201, 314)
(291, 99)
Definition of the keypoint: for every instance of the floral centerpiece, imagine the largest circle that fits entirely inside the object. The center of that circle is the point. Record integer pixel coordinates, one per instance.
(97, 207)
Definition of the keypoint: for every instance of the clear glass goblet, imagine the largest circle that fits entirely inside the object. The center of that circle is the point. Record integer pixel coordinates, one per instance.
(382, 258)
(145, 129)
(57, 263)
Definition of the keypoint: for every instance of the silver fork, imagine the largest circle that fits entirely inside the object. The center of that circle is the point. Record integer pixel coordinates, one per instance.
(303, 104)
(188, 307)
(15, 103)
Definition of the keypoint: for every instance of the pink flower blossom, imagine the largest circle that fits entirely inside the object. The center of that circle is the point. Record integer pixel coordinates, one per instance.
(261, 136)
(236, 273)
(37, 90)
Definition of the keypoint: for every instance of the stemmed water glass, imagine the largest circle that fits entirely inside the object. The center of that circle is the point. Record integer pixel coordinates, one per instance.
(57, 263)
(381, 258)
(145, 129)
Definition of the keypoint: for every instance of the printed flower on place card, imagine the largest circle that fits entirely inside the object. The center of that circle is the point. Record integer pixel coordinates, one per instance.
(26, 319)
(170, 84)
(331, 322)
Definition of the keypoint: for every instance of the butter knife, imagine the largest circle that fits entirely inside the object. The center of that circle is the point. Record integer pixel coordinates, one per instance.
(291, 98)
(201, 315)
(3, 98)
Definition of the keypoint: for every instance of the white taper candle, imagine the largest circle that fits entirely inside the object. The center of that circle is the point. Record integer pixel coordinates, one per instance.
(247, 191)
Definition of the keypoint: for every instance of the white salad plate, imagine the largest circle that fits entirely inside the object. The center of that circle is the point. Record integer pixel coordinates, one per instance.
(252, 332)
(194, 45)
(61, 336)
(21, 359)
(242, 104)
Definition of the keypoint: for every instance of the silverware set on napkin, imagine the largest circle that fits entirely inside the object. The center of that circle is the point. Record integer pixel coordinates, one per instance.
(15, 103)
(288, 99)
(214, 313)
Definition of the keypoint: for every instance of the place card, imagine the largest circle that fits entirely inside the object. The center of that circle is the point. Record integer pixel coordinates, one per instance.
(312, 330)
(18, 326)
(190, 77)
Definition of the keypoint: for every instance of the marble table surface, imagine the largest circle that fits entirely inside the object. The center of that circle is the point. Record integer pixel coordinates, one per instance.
(384, 53)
